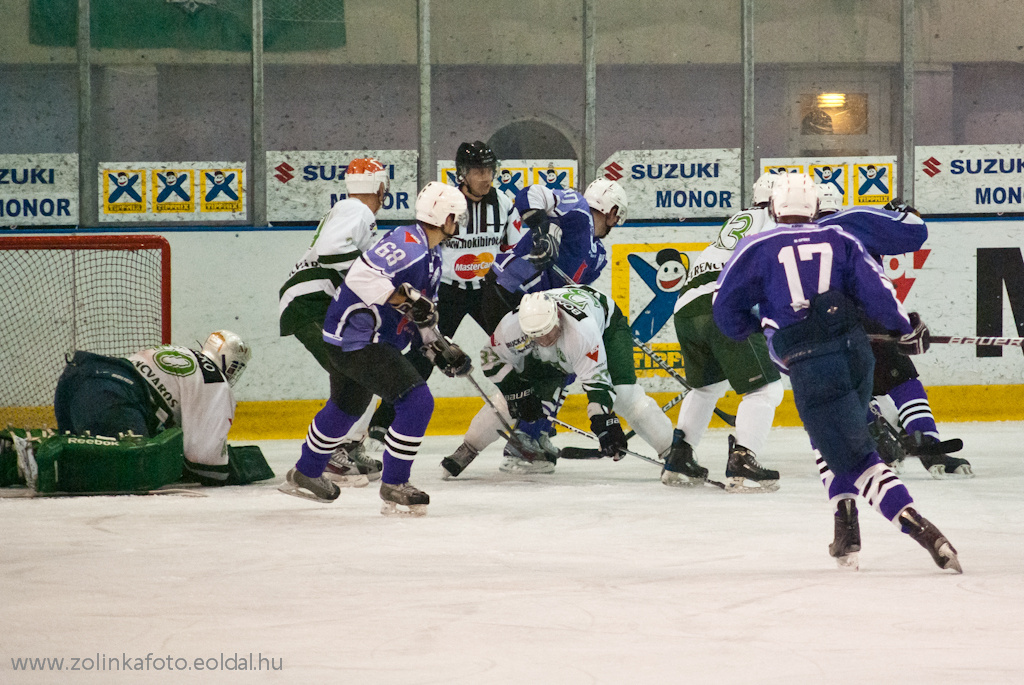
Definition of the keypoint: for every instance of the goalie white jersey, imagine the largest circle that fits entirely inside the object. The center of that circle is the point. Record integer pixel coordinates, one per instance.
(584, 314)
(187, 389)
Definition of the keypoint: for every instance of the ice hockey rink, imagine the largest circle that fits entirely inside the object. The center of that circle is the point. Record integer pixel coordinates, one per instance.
(594, 574)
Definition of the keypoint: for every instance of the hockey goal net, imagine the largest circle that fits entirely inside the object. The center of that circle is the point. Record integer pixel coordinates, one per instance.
(108, 294)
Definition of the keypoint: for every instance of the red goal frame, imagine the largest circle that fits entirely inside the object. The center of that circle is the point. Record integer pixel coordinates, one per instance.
(108, 242)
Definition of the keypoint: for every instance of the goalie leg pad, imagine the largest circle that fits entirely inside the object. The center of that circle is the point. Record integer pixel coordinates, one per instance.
(90, 465)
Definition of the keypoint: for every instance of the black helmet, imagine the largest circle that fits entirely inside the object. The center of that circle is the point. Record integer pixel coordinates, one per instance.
(475, 154)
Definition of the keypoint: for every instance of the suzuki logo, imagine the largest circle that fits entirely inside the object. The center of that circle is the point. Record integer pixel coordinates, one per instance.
(931, 167)
(284, 172)
(613, 172)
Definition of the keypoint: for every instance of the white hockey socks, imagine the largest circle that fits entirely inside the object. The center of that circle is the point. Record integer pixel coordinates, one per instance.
(697, 409)
(644, 416)
(755, 415)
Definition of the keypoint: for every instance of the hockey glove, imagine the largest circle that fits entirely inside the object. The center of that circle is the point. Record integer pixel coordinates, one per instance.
(450, 358)
(898, 205)
(917, 341)
(609, 431)
(524, 405)
(544, 252)
(419, 309)
(537, 220)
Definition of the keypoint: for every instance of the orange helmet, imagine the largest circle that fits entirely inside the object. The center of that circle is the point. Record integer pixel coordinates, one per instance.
(365, 176)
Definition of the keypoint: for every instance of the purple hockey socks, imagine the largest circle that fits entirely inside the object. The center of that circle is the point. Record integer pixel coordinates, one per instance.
(915, 413)
(324, 436)
(403, 439)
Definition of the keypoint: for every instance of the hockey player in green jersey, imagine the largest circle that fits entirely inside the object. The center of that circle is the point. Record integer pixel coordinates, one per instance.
(553, 337)
(713, 362)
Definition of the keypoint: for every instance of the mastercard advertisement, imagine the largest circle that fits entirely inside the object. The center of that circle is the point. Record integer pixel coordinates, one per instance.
(471, 266)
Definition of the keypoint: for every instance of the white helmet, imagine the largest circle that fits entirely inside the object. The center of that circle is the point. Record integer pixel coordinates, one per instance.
(605, 195)
(763, 189)
(230, 354)
(538, 314)
(794, 195)
(829, 199)
(365, 176)
(437, 201)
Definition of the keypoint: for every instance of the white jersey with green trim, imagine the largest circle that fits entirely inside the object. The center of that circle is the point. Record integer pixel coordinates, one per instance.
(703, 272)
(189, 391)
(584, 314)
(348, 230)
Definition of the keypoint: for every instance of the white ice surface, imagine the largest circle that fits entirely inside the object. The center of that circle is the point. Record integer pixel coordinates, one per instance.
(594, 574)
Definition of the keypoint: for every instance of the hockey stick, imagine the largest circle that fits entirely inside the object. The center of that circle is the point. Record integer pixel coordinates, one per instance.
(988, 341)
(658, 462)
(655, 357)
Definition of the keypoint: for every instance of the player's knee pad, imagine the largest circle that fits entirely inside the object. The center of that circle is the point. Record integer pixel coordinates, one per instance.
(85, 464)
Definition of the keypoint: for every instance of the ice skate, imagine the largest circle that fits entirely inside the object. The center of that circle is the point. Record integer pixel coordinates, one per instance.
(524, 455)
(344, 471)
(319, 489)
(403, 500)
(940, 465)
(452, 466)
(931, 538)
(742, 468)
(846, 545)
(681, 470)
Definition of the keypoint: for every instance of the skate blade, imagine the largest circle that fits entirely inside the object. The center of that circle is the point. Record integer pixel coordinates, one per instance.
(738, 485)
(348, 481)
(849, 562)
(678, 480)
(962, 472)
(394, 509)
(295, 491)
(949, 558)
(520, 466)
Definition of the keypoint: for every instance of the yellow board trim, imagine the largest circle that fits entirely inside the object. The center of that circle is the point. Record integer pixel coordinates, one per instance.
(288, 420)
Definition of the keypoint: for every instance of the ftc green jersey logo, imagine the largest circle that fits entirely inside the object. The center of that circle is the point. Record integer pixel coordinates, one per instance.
(175, 362)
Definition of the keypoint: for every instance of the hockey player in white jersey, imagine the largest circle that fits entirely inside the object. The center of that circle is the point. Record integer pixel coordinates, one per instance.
(347, 231)
(536, 350)
(714, 362)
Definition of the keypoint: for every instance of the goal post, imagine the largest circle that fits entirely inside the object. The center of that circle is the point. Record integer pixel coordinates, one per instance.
(108, 294)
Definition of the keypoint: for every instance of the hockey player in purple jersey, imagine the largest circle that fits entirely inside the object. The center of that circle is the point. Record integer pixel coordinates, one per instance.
(385, 304)
(565, 231)
(811, 285)
(896, 229)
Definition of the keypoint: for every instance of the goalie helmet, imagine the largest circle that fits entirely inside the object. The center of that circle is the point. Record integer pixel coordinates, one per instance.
(437, 201)
(230, 354)
(365, 176)
(794, 195)
(829, 199)
(475, 154)
(538, 314)
(605, 195)
(763, 189)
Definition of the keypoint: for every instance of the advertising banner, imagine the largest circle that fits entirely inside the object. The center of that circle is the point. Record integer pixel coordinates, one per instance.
(969, 179)
(677, 184)
(38, 190)
(303, 185)
(516, 174)
(860, 180)
(188, 192)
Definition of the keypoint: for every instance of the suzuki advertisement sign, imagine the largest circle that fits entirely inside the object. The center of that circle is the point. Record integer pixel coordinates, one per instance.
(969, 179)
